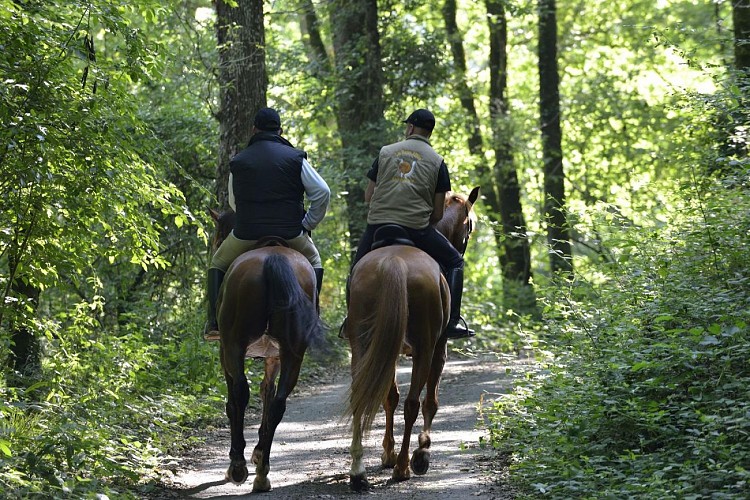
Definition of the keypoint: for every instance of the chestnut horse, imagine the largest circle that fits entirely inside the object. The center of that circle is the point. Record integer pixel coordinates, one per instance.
(399, 299)
(271, 290)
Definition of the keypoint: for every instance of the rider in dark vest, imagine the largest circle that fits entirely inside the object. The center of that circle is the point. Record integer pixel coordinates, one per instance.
(268, 184)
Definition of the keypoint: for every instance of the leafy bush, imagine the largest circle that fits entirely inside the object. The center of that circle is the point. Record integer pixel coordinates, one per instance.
(108, 413)
(646, 393)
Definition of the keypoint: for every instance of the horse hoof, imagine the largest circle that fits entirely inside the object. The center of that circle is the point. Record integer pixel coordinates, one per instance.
(399, 475)
(359, 483)
(388, 460)
(237, 474)
(261, 485)
(420, 462)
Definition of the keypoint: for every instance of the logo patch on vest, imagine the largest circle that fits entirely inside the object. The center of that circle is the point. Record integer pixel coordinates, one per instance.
(407, 162)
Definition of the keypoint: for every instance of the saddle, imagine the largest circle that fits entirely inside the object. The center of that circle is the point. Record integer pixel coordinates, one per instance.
(393, 234)
(390, 234)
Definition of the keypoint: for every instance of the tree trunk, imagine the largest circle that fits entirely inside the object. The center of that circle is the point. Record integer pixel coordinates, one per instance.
(26, 354)
(465, 95)
(359, 100)
(500, 186)
(558, 237)
(310, 27)
(243, 80)
(513, 246)
(741, 20)
(25, 351)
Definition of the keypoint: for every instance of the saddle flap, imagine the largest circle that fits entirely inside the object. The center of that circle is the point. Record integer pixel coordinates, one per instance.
(390, 234)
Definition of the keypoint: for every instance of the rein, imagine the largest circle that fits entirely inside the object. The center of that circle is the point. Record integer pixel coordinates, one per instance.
(469, 229)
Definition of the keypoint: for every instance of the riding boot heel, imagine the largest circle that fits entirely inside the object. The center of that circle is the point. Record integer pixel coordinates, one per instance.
(213, 285)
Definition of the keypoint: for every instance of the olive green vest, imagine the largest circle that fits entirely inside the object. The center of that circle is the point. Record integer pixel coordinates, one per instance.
(405, 188)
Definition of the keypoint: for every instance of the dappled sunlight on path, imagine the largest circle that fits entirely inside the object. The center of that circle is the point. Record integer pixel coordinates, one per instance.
(310, 454)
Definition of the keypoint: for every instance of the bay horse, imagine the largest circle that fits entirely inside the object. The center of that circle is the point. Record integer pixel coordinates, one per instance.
(399, 299)
(270, 289)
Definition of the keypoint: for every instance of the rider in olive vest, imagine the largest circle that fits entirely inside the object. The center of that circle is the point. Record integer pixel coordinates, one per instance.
(407, 186)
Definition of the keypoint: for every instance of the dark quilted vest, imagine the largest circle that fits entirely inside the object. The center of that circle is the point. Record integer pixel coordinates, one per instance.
(268, 188)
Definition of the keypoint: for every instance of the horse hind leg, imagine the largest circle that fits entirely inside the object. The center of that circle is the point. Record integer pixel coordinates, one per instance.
(290, 368)
(238, 395)
(267, 393)
(420, 460)
(389, 454)
(411, 411)
(357, 474)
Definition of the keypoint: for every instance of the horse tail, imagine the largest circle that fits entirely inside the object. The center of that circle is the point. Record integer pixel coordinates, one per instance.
(288, 304)
(381, 344)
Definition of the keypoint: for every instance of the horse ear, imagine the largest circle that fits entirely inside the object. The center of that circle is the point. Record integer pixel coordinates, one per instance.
(214, 214)
(474, 195)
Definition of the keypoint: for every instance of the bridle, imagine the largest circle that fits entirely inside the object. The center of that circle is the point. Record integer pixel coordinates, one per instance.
(469, 228)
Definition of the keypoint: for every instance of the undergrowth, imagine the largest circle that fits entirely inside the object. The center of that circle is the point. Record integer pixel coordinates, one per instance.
(645, 392)
(108, 413)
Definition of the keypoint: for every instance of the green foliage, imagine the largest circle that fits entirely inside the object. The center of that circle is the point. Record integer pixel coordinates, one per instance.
(643, 393)
(415, 62)
(107, 158)
(96, 217)
(81, 182)
(107, 414)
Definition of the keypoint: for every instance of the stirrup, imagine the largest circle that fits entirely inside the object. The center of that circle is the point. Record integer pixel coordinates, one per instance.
(211, 334)
(453, 332)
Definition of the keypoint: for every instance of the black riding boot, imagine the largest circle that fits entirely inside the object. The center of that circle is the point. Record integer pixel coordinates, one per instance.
(455, 329)
(318, 286)
(213, 284)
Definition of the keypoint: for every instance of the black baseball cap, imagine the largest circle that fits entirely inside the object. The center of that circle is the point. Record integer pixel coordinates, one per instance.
(422, 118)
(267, 119)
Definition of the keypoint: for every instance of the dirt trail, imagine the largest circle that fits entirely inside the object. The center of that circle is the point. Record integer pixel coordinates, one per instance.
(310, 455)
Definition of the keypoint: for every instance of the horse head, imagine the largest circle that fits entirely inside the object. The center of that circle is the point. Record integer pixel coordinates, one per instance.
(224, 224)
(459, 218)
